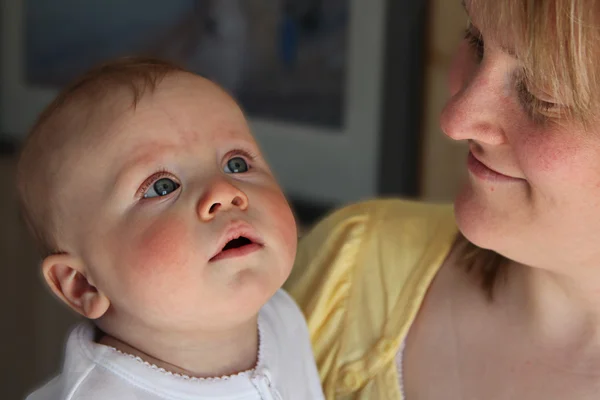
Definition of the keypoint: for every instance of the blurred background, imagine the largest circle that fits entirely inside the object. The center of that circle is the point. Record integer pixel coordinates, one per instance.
(344, 97)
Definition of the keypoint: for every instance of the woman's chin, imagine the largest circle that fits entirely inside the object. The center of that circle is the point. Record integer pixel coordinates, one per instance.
(477, 221)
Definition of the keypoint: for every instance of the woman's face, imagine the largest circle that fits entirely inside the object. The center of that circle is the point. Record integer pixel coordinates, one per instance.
(533, 193)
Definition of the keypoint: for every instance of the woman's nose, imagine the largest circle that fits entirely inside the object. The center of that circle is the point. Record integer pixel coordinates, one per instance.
(474, 109)
(221, 196)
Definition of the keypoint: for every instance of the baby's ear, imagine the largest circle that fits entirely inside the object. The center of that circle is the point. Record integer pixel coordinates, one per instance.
(66, 276)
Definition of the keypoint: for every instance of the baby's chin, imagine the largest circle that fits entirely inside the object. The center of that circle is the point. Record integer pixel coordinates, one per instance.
(239, 300)
(251, 289)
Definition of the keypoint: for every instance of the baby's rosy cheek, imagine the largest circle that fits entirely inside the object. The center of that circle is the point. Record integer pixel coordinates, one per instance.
(163, 248)
(282, 216)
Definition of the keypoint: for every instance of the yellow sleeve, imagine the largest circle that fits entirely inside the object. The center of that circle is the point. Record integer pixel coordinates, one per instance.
(320, 280)
(365, 262)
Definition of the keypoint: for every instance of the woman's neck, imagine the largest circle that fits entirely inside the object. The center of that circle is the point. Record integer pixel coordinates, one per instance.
(557, 308)
(201, 355)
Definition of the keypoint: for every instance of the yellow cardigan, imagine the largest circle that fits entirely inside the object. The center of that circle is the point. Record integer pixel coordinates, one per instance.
(360, 277)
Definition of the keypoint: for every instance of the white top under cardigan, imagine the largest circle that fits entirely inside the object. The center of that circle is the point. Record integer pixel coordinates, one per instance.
(285, 369)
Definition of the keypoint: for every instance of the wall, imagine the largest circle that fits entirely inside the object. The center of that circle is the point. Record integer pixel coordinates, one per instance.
(16, 269)
(33, 323)
(443, 160)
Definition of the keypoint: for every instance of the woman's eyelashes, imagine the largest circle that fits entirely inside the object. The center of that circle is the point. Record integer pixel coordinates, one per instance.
(475, 41)
(536, 108)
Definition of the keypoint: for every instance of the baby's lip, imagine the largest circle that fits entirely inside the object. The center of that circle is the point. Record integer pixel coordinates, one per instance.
(236, 230)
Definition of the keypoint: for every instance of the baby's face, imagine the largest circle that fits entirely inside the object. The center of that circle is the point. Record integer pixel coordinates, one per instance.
(175, 213)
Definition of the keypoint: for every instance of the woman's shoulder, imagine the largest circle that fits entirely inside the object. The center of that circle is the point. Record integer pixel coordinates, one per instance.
(395, 213)
(358, 262)
(386, 222)
(389, 238)
(389, 213)
(392, 233)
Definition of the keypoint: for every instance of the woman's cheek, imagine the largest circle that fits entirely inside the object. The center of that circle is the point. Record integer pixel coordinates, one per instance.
(563, 175)
(551, 154)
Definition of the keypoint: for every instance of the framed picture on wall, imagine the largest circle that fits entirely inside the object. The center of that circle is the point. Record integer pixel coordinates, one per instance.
(313, 76)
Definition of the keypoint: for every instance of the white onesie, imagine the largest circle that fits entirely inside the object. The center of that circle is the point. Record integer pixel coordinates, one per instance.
(285, 370)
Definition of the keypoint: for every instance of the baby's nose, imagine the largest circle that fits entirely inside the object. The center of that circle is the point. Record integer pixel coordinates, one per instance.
(221, 196)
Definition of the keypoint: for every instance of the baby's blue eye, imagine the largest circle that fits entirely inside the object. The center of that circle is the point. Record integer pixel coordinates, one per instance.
(236, 165)
(161, 187)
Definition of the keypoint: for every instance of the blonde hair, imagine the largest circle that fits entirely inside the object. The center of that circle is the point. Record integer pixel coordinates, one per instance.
(558, 43)
(53, 128)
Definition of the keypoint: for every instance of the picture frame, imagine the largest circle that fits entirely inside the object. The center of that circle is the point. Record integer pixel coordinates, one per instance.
(374, 151)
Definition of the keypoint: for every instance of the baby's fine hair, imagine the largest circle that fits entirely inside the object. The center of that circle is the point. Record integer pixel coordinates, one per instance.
(136, 75)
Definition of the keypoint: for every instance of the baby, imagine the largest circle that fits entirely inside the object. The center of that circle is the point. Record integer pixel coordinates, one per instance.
(160, 221)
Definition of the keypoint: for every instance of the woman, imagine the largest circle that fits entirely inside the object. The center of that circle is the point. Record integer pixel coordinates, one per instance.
(498, 298)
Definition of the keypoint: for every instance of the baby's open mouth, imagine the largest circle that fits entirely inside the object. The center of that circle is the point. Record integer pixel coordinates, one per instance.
(237, 247)
(237, 243)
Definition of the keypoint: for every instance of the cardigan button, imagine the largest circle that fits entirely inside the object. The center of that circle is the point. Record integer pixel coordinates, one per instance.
(385, 346)
(351, 381)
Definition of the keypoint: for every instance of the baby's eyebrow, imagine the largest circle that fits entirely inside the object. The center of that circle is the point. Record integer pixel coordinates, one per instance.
(138, 166)
(128, 176)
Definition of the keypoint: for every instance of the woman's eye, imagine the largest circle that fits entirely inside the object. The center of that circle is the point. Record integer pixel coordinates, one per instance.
(475, 41)
(236, 165)
(161, 187)
(536, 108)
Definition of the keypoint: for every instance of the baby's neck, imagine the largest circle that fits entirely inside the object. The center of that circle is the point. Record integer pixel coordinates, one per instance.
(210, 355)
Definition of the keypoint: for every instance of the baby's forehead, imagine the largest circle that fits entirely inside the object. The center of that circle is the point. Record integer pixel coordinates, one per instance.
(189, 104)
(178, 116)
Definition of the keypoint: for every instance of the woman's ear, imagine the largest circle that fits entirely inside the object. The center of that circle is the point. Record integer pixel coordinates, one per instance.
(66, 276)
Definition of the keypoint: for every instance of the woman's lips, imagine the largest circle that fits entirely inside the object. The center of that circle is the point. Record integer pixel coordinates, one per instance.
(483, 172)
